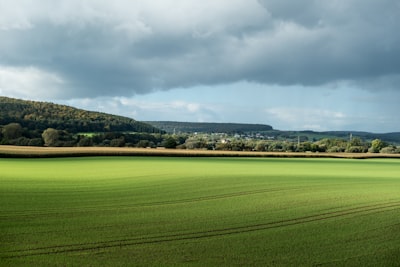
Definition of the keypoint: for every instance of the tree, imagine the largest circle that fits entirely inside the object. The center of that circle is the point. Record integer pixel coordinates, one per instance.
(335, 149)
(35, 142)
(170, 142)
(355, 141)
(356, 145)
(21, 141)
(376, 146)
(195, 143)
(388, 150)
(143, 143)
(50, 137)
(85, 141)
(118, 142)
(333, 144)
(261, 146)
(356, 149)
(12, 131)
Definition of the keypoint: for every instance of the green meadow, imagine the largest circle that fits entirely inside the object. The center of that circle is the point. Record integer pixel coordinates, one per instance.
(177, 211)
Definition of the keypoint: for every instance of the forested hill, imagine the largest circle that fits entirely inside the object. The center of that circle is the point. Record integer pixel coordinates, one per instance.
(208, 127)
(39, 116)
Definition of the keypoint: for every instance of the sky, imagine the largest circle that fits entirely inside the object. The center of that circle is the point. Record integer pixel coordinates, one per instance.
(295, 65)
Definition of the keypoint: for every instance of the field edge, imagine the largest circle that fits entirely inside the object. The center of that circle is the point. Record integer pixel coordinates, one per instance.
(7, 151)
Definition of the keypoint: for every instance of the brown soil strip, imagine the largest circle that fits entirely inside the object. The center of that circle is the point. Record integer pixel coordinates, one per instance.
(49, 152)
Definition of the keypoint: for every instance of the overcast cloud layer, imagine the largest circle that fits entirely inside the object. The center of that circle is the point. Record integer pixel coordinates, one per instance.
(97, 51)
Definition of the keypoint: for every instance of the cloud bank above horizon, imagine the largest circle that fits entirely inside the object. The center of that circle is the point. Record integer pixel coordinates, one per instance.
(94, 52)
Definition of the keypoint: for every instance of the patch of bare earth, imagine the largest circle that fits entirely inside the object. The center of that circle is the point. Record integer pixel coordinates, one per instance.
(23, 151)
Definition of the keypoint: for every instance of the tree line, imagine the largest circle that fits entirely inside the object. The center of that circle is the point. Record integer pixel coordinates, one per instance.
(208, 127)
(15, 134)
(332, 145)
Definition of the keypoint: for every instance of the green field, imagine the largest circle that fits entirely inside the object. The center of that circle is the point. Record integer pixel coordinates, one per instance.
(163, 211)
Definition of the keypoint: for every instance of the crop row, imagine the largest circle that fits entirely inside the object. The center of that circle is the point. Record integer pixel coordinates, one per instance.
(207, 233)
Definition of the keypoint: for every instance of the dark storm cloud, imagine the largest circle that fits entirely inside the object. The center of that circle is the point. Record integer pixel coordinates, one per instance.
(97, 48)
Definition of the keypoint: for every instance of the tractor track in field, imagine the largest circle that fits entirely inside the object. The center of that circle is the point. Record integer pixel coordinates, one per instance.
(71, 248)
(88, 209)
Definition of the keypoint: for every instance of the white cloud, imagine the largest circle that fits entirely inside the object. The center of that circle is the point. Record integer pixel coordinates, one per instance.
(112, 51)
(171, 16)
(148, 109)
(29, 82)
(306, 118)
(121, 47)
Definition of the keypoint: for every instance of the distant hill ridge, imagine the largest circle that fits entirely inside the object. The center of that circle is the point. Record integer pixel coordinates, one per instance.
(36, 115)
(208, 127)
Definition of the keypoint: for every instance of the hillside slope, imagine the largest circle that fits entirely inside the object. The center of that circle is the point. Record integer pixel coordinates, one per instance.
(39, 116)
(208, 127)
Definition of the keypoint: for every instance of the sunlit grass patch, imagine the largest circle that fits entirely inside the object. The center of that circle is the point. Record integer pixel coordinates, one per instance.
(199, 211)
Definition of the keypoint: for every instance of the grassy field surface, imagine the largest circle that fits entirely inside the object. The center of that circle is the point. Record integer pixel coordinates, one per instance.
(174, 211)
